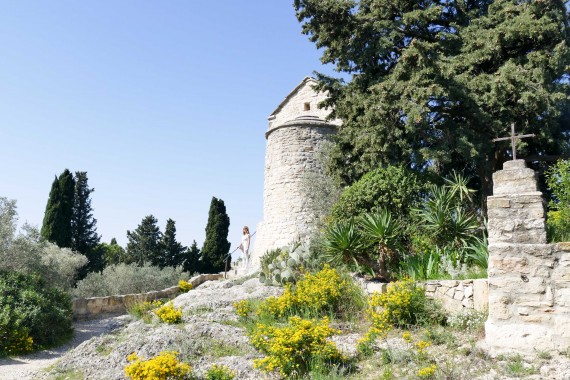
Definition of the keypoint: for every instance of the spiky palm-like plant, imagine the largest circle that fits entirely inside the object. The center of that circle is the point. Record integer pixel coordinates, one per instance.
(384, 232)
(343, 244)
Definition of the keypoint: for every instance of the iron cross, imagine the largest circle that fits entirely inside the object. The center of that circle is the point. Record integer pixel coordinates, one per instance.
(513, 138)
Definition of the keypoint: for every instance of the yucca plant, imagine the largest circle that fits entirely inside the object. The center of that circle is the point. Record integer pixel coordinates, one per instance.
(446, 219)
(342, 244)
(384, 232)
(458, 185)
(478, 253)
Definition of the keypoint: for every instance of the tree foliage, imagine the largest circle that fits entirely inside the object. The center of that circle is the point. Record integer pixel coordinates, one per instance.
(192, 263)
(173, 252)
(558, 181)
(31, 308)
(57, 224)
(128, 279)
(216, 246)
(84, 226)
(395, 188)
(113, 253)
(433, 82)
(144, 242)
(26, 252)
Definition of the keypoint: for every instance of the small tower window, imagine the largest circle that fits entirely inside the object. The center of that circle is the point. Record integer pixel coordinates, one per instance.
(307, 106)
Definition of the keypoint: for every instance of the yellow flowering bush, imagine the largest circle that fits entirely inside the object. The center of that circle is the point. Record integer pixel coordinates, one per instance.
(400, 305)
(184, 286)
(421, 346)
(169, 314)
(293, 348)
(220, 372)
(312, 294)
(427, 372)
(18, 342)
(243, 308)
(161, 367)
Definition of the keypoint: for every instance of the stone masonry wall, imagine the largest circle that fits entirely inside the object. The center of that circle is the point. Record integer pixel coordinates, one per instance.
(294, 106)
(293, 136)
(455, 295)
(529, 280)
(87, 308)
(290, 153)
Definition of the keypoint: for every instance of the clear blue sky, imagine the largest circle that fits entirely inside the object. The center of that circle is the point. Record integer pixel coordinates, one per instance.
(163, 103)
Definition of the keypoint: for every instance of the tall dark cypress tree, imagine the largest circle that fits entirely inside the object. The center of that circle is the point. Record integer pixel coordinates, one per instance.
(172, 250)
(56, 226)
(84, 226)
(192, 262)
(216, 246)
(144, 242)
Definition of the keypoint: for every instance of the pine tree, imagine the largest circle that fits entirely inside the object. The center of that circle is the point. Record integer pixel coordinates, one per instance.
(216, 246)
(172, 250)
(144, 242)
(434, 82)
(84, 226)
(56, 226)
(192, 262)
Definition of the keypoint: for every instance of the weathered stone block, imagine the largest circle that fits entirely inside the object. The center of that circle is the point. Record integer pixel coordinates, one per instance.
(521, 337)
(481, 295)
(498, 202)
(468, 291)
(379, 287)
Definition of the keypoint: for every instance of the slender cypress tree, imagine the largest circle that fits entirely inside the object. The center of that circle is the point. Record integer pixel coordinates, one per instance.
(216, 246)
(192, 262)
(84, 225)
(56, 226)
(172, 251)
(144, 242)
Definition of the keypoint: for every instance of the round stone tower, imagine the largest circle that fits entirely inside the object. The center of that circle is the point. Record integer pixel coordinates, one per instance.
(295, 129)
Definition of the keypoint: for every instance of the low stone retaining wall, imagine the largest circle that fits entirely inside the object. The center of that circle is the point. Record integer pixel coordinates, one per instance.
(87, 308)
(454, 295)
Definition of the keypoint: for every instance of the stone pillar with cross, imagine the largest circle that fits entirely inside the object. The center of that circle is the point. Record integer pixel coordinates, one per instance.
(529, 280)
(513, 137)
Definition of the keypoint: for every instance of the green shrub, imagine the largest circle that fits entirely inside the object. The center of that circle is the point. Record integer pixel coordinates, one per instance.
(31, 309)
(141, 310)
(404, 304)
(558, 221)
(128, 279)
(394, 188)
(24, 251)
(219, 372)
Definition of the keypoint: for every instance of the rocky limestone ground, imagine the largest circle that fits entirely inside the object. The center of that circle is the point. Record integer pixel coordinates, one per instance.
(210, 335)
(24, 367)
(207, 336)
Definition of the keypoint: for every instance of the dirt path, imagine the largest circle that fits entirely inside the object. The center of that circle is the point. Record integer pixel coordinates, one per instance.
(24, 367)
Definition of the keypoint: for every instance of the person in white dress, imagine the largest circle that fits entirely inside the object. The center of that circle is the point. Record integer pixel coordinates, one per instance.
(244, 246)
